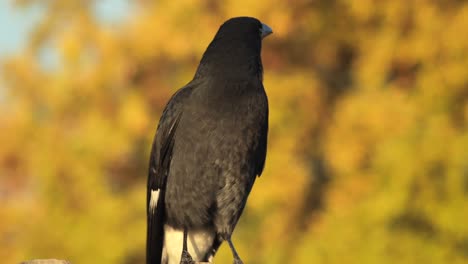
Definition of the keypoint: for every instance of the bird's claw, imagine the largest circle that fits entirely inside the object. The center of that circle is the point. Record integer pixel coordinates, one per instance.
(238, 261)
(186, 258)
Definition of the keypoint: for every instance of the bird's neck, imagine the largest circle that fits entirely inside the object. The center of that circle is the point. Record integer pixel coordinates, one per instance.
(234, 70)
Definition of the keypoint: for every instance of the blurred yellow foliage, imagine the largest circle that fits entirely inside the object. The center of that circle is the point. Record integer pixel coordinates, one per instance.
(368, 146)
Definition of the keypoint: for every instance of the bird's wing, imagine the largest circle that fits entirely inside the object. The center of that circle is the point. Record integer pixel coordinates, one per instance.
(159, 164)
(262, 139)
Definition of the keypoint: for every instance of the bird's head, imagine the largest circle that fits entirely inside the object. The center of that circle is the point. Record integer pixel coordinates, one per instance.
(239, 27)
(236, 47)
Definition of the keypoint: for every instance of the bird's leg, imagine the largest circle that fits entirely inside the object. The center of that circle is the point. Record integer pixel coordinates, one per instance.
(186, 258)
(237, 259)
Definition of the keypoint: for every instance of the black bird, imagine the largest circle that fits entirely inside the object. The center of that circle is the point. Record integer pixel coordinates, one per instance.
(210, 146)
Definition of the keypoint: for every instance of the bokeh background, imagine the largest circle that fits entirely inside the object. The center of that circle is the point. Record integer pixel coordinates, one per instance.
(368, 146)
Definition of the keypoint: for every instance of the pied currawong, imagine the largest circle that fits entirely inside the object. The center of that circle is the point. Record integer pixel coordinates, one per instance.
(210, 146)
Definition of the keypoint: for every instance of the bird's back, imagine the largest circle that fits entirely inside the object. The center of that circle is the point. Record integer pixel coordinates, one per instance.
(215, 143)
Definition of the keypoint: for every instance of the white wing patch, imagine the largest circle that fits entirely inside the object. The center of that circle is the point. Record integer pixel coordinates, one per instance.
(153, 200)
(199, 243)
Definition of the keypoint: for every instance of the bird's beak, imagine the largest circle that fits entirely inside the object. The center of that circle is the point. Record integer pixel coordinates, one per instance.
(266, 30)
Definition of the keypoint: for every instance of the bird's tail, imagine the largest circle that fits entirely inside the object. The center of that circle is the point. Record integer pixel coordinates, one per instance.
(155, 231)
